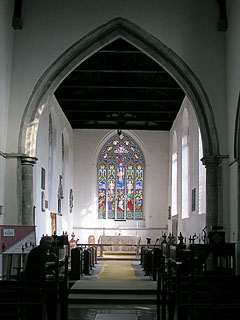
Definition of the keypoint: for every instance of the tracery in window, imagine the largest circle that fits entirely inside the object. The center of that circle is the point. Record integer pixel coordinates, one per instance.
(120, 180)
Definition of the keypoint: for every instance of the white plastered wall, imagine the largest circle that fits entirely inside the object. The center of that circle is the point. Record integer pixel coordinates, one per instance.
(195, 222)
(6, 40)
(87, 144)
(60, 126)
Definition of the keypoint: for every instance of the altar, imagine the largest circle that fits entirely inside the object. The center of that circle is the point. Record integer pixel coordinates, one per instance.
(119, 243)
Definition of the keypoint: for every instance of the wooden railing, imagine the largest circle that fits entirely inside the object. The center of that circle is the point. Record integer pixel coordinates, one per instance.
(100, 247)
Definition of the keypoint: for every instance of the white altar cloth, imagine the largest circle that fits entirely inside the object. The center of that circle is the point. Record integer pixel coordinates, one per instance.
(125, 240)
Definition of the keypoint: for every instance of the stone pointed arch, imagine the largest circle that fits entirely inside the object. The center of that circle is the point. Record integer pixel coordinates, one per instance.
(237, 159)
(237, 133)
(156, 50)
(92, 42)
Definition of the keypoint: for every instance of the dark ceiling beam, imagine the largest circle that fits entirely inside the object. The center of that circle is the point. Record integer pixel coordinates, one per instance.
(60, 100)
(71, 86)
(121, 51)
(17, 15)
(120, 88)
(161, 127)
(117, 71)
(121, 119)
(222, 24)
(94, 106)
(76, 111)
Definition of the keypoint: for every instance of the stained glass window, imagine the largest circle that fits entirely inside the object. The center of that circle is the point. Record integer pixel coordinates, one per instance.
(102, 191)
(139, 192)
(111, 191)
(120, 180)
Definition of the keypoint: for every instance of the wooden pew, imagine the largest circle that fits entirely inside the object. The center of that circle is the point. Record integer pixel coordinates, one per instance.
(196, 293)
(21, 299)
(77, 260)
(11, 293)
(83, 260)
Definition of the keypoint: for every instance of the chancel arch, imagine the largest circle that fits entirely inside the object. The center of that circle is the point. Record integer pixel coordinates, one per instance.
(236, 163)
(152, 47)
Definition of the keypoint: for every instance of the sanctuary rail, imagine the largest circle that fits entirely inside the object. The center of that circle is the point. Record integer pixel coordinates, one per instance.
(101, 246)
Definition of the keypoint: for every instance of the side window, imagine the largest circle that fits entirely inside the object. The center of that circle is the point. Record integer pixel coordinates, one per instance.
(174, 176)
(202, 178)
(185, 165)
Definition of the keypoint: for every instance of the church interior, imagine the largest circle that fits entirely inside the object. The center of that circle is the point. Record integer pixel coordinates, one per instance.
(119, 159)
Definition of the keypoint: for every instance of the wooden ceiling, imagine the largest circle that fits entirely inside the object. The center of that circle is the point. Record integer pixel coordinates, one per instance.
(120, 87)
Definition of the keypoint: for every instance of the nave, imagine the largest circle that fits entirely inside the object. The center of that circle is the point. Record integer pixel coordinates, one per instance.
(118, 299)
(169, 281)
(97, 71)
(196, 281)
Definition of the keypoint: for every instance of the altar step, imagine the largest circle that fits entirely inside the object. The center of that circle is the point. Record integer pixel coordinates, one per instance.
(127, 253)
(119, 255)
(115, 292)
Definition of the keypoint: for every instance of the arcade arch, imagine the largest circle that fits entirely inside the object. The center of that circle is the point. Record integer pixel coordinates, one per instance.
(237, 159)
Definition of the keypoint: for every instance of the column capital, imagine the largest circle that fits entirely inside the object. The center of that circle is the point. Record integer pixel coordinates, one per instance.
(27, 160)
(210, 161)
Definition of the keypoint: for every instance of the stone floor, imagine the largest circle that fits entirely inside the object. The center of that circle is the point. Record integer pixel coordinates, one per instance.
(113, 312)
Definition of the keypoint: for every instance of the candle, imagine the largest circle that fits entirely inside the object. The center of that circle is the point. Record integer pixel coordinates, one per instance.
(137, 229)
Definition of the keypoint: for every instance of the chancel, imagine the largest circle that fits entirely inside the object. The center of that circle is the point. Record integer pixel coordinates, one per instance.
(120, 138)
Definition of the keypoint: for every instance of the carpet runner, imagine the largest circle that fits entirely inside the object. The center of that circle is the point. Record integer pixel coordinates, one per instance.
(117, 270)
(118, 285)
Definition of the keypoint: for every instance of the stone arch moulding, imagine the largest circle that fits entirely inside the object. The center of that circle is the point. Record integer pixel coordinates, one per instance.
(237, 159)
(92, 42)
(237, 132)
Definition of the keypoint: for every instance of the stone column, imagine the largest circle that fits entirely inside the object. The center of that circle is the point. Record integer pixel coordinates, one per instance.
(27, 189)
(238, 220)
(212, 167)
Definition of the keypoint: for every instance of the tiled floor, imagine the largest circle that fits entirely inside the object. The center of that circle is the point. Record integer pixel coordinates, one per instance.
(119, 312)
